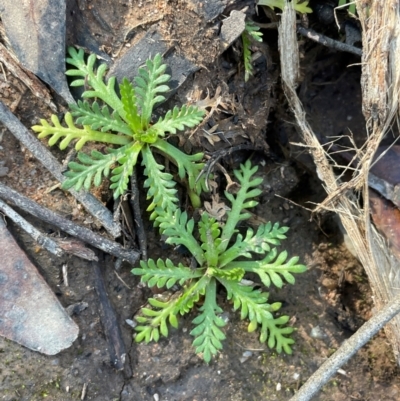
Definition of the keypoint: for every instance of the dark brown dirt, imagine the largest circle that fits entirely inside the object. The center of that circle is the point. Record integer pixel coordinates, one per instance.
(328, 302)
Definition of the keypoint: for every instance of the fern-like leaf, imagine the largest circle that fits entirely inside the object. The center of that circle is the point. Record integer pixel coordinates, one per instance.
(150, 83)
(240, 202)
(188, 166)
(92, 169)
(251, 31)
(252, 303)
(277, 334)
(258, 242)
(153, 322)
(98, 118)
(192, 294)
(128, 99)
(253, 306)
(207, 333)
(71, 132)
(105, 92)
(270, 271)
(209, 235)
(179, 231)
(234, 273)
(121, 174)
(161, 185)
(164, 274)
(178, 119)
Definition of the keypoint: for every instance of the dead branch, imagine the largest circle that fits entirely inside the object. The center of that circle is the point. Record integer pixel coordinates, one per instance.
(328, 42)
(86, 235)
(112, 330)
(42, 239)
(43, 155)
(347, 350)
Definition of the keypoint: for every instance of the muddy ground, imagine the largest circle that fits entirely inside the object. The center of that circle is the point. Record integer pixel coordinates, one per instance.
(326, 305)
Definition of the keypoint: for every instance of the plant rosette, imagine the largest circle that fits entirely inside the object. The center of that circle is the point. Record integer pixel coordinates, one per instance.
(217, 253)
(125, 121)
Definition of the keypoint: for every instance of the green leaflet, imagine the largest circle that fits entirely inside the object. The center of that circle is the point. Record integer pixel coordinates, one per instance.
(251, 31)
(179, 231)
(269, 271)
(95, 80)
(217, 262)
(299, 5)
(93, 168)
(129, 101)
(178, 119)
(161, 185)
(98, 117)
(150, 83)
(209, 235)
(122, 173)
(124, 121)
(239, 203)
(71, 132)
(258, 242)
(164, 274)
(207, 332)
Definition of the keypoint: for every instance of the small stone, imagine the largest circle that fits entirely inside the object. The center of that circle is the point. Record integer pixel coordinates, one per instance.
(329, 283)
(317, 332)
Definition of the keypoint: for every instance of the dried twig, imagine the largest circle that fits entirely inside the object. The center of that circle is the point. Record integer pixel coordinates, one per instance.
(68, 226)
(56, 246)
(381, 88)
(29, 79)
(116, 346)
(91, 204)
(215, 156)
(347, 350)
(37, 235)
(328, 42)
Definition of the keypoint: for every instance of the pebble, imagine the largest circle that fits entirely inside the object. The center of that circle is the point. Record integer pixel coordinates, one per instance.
(245, 356)
(317, 332)
(131, 323)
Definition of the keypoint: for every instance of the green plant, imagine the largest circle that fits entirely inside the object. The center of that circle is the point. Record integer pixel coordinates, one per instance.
(298, 5)
(125, 121)
(218, 264)
(251, 31)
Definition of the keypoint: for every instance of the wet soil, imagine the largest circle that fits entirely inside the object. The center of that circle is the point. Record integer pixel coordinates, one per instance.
(327, 303)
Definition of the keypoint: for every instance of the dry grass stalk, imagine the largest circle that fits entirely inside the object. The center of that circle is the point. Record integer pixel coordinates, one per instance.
(381, 89)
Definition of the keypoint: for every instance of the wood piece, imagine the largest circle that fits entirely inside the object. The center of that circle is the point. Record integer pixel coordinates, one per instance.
(37, 235)
(347, 350)
(36, 31)
(91, 204)
(328, 42)
(232, 28)
(86, 235)
(55, 246)
(76, 248)
(112, 331)
(31, 314)
(29, 79)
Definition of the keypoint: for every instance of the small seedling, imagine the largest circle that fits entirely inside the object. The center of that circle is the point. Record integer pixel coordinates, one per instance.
(250, 32)
(217, 253)
(125, 121)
